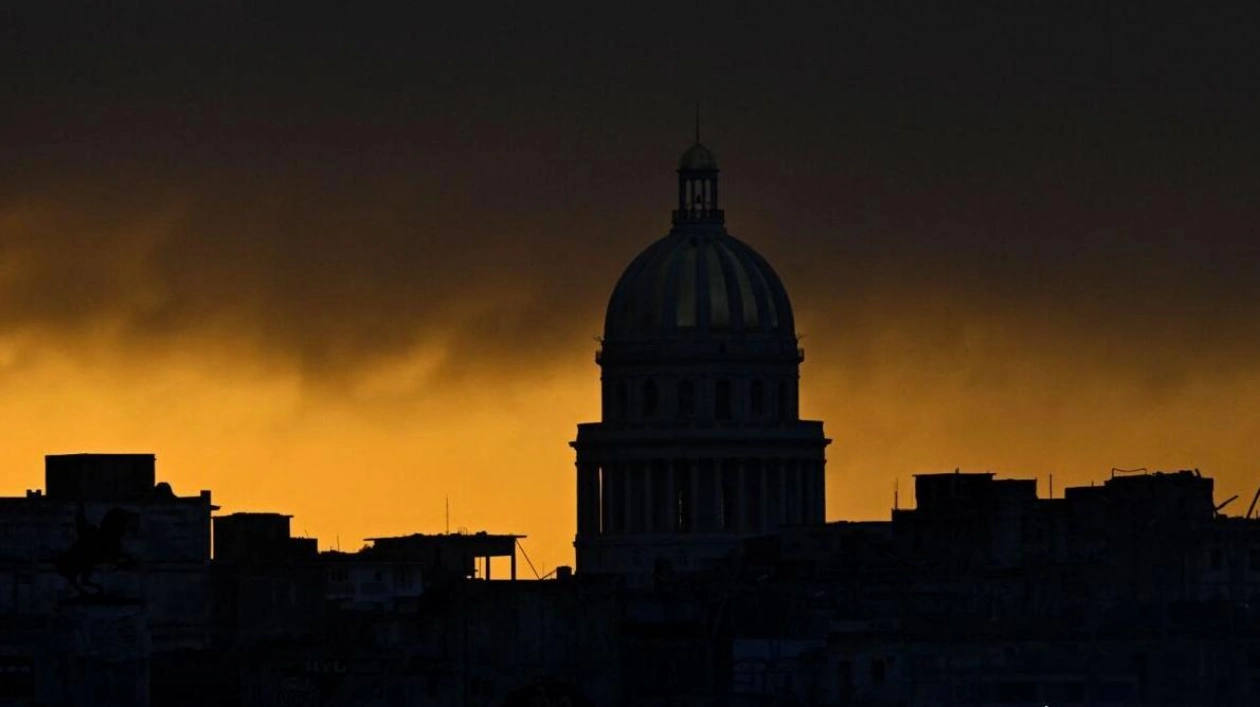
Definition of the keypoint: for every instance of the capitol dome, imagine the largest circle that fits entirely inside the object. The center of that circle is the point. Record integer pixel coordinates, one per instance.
(697, 283)
(700, 444)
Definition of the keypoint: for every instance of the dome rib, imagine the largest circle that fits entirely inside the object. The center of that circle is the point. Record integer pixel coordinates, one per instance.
(719, 289)
(744, 299)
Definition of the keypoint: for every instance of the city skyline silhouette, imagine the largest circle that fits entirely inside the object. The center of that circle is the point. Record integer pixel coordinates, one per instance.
(400, 355)
(286, 259)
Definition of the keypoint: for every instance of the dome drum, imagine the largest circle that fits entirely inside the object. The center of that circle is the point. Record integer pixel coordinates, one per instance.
(692, 352)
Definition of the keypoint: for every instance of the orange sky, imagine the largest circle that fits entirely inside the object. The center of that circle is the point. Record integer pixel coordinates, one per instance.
(363, 464)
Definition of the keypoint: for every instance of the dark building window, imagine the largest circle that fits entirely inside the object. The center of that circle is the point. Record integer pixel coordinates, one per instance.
(757, 398)
(722, 400)
(650, 398)
(1057, 692)
(878, 672)
(686, 398)
(402, 578)
(844, 676)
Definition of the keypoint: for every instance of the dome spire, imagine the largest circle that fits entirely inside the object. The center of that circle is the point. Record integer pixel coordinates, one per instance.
(697, 184)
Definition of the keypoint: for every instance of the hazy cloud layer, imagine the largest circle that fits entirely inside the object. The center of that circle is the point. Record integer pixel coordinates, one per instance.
(334, 190)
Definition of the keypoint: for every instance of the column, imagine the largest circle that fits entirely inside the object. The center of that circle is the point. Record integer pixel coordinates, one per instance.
(807, 482)
(682, 484)
(815, 491)
(627, 488)
(753, 473)
(693, 501)
(585, 511)
(781, 471)
(793, 492)
(671, 499)
(611, 498)
(715, 497)
(605, 501)
(820, 473)
(741, 498)
(814, 505)
(766, 522)
(649, 506)
(807, 492)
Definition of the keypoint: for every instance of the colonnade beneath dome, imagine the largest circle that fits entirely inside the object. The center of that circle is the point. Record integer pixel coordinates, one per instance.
(669, 496)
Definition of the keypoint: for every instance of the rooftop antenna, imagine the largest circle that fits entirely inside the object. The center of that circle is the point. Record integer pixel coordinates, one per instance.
(529, 561)
(896, 494)
(1252, 507)
(1227, 501)
(448, 515)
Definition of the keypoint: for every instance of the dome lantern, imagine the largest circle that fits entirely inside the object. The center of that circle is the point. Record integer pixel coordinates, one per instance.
(698, 185)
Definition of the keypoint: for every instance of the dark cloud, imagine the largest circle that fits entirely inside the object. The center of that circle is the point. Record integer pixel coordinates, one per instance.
(331, 187)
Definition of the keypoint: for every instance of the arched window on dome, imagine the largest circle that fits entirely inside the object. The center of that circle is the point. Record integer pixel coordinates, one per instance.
(623, 400)
(722, 400)
(757, 397)
(651, 401)
(782, 401)
(686, 398)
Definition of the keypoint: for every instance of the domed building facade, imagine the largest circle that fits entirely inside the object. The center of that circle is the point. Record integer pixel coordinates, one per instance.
(700, 444)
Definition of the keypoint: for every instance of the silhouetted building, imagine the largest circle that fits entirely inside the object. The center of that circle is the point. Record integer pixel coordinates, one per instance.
(700, 444)
(162, 542)
(448, 555)
(259, 538)
(1132, 592)
(268, 586)
(98, 573)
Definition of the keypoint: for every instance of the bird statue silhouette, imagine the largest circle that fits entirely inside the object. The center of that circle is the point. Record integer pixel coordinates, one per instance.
(94, 547)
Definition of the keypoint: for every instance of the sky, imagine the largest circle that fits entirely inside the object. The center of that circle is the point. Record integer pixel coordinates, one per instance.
(349, 260)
